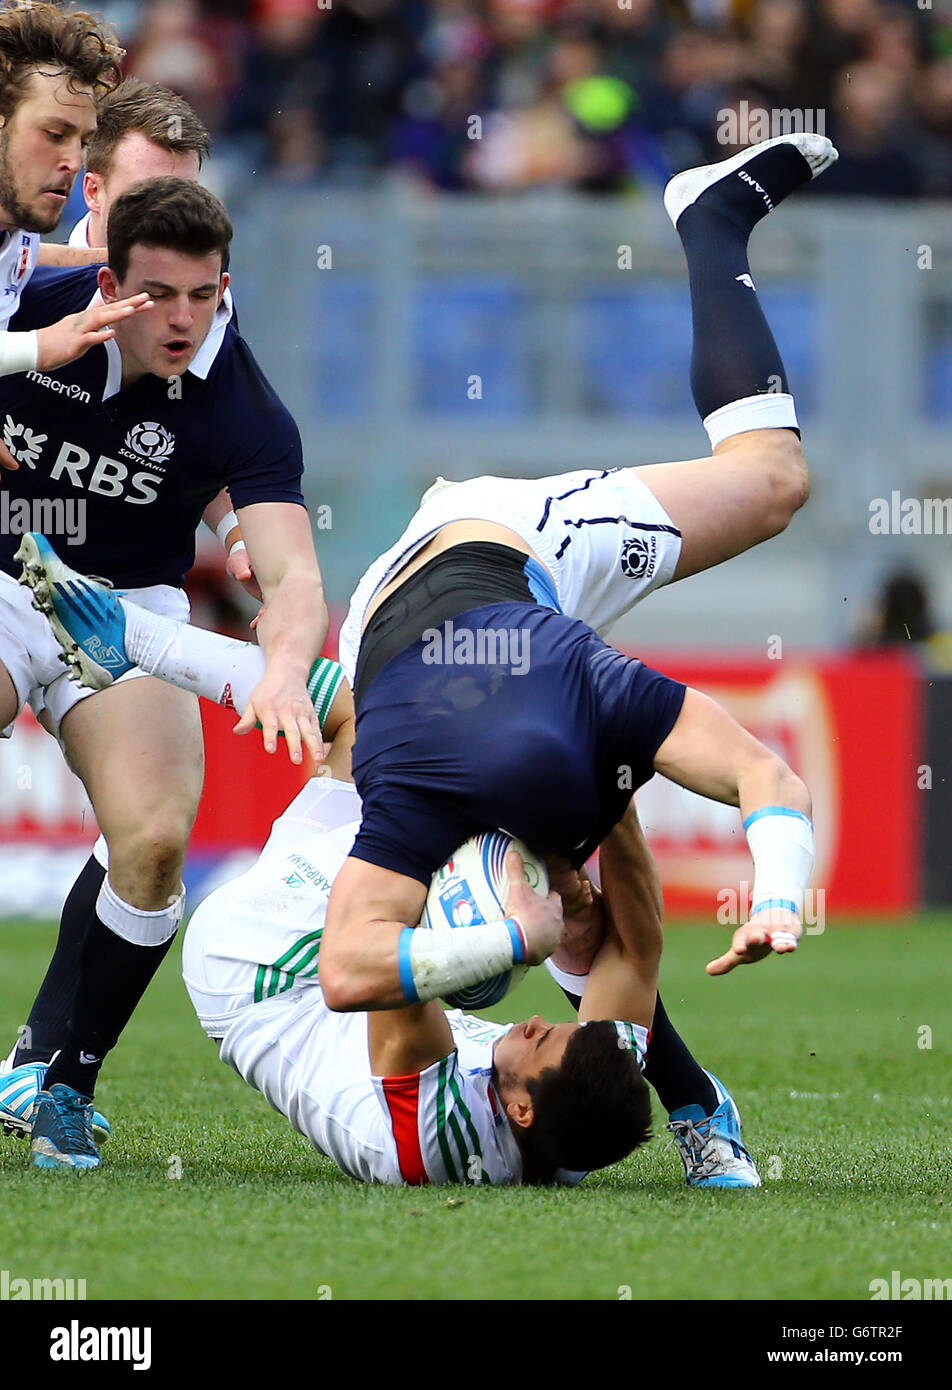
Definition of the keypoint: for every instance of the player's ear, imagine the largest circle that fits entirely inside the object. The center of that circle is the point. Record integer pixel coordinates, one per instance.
(92, 191)
(225, 282)
(521, 1112)
(108, 284)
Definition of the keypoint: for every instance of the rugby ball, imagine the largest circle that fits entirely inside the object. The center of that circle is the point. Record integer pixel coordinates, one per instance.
(471, 889)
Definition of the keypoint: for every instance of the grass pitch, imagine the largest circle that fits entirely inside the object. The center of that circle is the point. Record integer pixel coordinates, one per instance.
(838, 1058)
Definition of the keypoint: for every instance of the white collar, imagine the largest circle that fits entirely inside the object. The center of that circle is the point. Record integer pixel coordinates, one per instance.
(201, 363)
(79, 236)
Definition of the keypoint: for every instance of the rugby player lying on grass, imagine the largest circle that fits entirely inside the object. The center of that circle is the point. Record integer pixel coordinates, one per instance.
(255, 942)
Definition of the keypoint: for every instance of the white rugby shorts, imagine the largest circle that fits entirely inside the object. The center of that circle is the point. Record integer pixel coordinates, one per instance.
(601, 533)
(31, 653)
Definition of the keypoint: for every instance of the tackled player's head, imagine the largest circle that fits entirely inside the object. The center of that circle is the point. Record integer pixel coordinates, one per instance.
(170, 238)
(55, 65)
(575, 1097)
(145, 131)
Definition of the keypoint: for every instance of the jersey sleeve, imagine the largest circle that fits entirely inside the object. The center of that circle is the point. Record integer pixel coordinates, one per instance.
(442, 1125)
(638, 708)
(51, 293)
(263, 458)
(271, 470)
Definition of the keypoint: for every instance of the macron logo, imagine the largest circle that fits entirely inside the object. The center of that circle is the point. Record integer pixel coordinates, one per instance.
(746, 280)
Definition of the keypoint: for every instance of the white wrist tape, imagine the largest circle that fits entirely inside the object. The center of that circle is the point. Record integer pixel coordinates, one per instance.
(19, 352)
(434, 963)
(781, 842)
(238, 545)
(228, 523)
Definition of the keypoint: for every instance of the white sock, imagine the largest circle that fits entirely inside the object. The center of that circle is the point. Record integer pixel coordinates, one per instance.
(770, 411)
(134, 924)
(222, 669)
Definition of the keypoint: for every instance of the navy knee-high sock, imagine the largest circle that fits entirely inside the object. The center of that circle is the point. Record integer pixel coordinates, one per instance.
(734, 354)
(673, 1072)
(46, 1026)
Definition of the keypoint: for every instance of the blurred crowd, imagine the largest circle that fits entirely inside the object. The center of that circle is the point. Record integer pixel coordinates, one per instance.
(592, 94)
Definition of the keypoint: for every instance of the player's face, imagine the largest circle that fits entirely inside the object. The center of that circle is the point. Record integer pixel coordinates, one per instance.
(186, 291)
(135, 157)
(529, 1048)
(41, 150)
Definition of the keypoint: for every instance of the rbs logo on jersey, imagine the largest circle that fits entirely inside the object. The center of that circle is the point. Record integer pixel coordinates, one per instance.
(108, 476)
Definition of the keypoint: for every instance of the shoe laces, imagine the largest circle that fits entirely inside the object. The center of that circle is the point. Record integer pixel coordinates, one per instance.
(75, 1115)
(700, 1145)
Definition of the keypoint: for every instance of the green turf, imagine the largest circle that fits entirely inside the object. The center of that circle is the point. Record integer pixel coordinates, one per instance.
(847, 1115)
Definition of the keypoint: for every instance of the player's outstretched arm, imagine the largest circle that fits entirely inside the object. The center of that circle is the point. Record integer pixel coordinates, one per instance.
(623, 979)
(710, 753)
(67, 256)
(291, 627)
(371, 958)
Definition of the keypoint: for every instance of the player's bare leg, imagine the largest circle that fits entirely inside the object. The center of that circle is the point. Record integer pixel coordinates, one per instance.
(748, 492)
(138, 749)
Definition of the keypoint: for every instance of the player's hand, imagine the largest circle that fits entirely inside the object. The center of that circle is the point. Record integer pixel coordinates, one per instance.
(280, 702)
(540, 918)
(774, 932)
(238, 567)
(67, 340)
(583, 910)
(6, 458)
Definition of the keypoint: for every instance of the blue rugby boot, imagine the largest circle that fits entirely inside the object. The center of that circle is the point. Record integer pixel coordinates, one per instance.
(19, 1089)
(83, 612)
(63, 1130)
(712, 1146)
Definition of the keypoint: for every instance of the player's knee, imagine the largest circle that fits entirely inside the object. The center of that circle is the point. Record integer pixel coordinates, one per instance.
(790, 478)
(152, 851)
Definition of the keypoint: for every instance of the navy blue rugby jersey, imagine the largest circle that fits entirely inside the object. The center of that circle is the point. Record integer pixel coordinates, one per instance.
(144, 462)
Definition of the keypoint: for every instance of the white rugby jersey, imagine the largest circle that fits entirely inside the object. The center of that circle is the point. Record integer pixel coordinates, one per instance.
(18, 253)
(250, 962)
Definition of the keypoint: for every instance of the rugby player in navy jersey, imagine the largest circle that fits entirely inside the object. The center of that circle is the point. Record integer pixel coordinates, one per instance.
(146, 131)
(481, 703)
(140, 434)
(143, 130)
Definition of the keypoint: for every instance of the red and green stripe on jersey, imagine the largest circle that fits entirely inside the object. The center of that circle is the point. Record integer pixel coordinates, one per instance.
(434, 1100)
